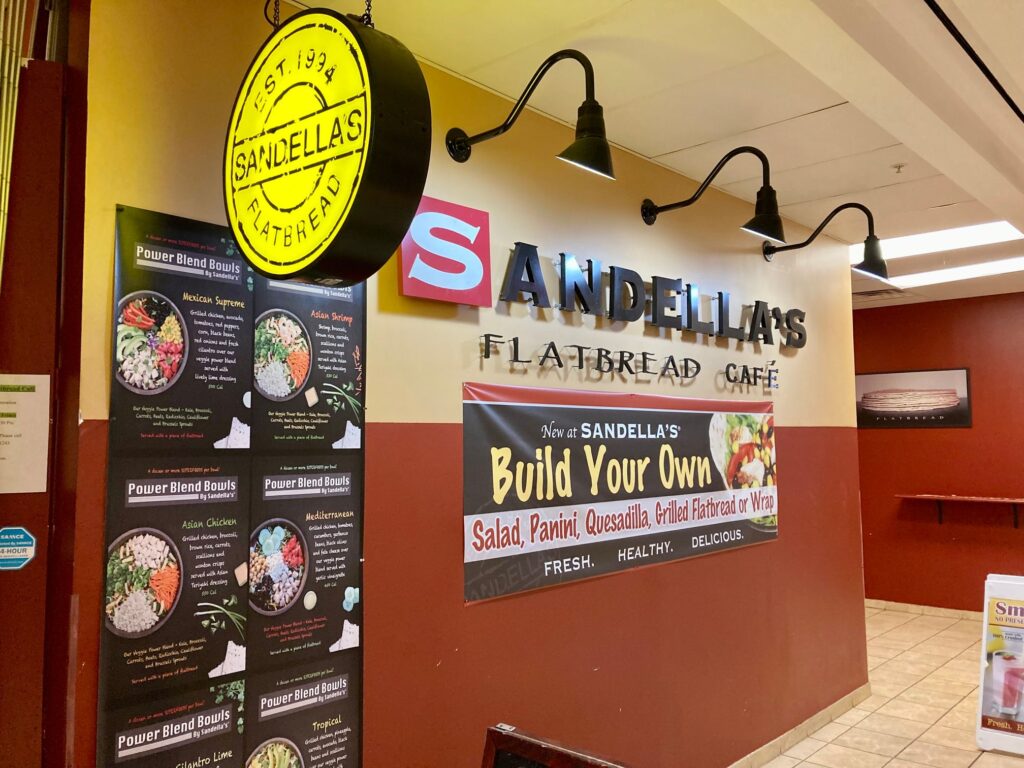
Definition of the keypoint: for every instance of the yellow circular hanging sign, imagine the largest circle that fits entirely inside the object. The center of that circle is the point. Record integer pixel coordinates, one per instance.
(302, 144)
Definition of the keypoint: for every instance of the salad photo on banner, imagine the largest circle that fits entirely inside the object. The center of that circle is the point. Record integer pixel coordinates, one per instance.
(562, 485)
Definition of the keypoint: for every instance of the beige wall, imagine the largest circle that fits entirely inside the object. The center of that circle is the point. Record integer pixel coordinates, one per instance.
(162, 80)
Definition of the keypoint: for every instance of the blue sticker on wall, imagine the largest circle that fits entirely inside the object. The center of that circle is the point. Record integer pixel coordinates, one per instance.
(17, 547)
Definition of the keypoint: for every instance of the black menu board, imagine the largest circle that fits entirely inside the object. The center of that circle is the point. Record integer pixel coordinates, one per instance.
(310, 711)
(198, 726)
(174, 602)
(182, 337)
(308, 506)
(308, 367)
(234, 509)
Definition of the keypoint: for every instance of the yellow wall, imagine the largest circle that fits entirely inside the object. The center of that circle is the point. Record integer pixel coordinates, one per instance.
(161, 84)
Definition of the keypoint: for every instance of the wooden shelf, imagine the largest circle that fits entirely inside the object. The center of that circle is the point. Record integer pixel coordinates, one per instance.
(940, 498)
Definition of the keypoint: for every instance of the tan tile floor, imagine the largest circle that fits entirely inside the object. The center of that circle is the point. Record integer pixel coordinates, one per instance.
(924, 674)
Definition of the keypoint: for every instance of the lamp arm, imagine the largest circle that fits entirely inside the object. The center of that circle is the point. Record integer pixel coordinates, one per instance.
(568, 53)
(769, 249)
(765, 177)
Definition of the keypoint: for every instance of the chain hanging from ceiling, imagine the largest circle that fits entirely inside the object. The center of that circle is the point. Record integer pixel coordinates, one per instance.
(275, 20)
(365, 18)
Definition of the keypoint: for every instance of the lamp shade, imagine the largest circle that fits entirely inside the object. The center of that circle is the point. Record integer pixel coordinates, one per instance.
(766, 222)
(873, 263)
(590, 150)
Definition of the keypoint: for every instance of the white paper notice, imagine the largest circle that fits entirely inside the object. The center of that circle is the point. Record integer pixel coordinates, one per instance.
(24, 432)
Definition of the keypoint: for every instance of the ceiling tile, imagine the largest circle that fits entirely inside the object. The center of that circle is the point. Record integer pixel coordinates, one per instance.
(931, 203)
(464, 34)
(801, 142)
(838, 176)
(894, 223)
(758, 93)
(636, 51)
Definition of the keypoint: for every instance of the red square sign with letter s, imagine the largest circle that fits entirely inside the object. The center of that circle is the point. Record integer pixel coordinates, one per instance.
(446, 254)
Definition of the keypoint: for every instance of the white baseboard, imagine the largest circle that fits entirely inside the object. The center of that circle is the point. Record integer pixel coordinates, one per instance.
(926, 610)
(795, 735)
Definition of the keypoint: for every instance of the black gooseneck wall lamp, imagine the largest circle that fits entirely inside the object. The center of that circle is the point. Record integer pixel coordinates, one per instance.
(589, 151)
(766, 221)
(873, 264)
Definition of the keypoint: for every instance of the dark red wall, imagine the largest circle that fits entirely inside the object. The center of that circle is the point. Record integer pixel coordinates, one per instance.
(85, 623)
(694, 663)
(908, 556)
(28, 343)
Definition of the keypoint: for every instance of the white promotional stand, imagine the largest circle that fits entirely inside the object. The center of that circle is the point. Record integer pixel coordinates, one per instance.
(1000, 723)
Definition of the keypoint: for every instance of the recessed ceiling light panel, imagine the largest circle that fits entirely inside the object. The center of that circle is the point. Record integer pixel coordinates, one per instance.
(954, 274)
(943, 240)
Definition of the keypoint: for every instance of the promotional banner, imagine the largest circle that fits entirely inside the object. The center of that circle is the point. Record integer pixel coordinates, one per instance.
(562, 485)
(234, 509)
(1001, 696)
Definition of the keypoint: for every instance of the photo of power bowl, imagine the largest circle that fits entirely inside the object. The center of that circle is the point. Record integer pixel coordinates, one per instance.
(281, 355)
(150, 343)
(143, 582)
(743, 447)
(275, 753)
(277, 566)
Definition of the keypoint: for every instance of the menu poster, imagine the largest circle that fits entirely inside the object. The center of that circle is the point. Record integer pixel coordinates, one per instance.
(234, 509)
(305, 715)
(308, 366)
(562, 485)
(182, 330)
(201, 727)
(304, 558)
(175, 596)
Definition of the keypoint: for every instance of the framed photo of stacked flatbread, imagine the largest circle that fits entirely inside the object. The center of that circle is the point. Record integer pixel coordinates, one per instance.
(914, 399)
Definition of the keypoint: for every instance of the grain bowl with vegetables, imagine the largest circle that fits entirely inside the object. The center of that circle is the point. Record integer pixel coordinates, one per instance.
(143, 582)
(150, 343)
(281, 355)
(278, 566)
(275, 753)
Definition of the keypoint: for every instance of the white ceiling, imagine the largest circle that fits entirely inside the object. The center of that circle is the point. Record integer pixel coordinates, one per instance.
(836, 92)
